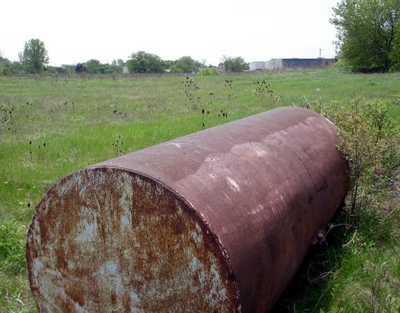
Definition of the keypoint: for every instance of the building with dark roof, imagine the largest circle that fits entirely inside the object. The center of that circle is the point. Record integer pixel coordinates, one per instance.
(280, 64)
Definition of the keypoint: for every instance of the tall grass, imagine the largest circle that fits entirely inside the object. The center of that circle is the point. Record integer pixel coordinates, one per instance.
(59, 125)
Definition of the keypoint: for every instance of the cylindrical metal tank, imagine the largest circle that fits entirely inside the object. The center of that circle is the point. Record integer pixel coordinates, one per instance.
(216, 221)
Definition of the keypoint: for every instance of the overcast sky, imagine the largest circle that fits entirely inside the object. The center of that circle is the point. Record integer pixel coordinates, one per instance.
(258, 30)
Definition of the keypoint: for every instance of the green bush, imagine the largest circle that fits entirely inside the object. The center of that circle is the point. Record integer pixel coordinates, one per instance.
(209, 72)
(369, 141)
(175, 69)
(358, 268)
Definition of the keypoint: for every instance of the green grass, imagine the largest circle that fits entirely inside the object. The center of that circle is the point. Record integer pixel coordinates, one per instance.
(76, 121)
(356, 270)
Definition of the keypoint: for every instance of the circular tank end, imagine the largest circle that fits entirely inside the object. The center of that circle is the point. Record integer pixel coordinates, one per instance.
(106, 239)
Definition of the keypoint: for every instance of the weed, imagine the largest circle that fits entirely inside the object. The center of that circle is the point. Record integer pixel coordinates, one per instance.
(30, 150)
(264, 90)
(12, 248)
(117, 145)
(7, 117)
(190, 88)
(119, 113)
(229, 86)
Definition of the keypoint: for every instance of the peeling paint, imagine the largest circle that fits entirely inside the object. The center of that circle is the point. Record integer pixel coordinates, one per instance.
(119, 244)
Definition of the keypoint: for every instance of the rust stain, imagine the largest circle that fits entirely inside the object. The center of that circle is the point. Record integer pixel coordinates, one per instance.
(130, 239)
(217, 221)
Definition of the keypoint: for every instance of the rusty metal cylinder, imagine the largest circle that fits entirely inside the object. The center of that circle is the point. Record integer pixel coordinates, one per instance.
(216, 221)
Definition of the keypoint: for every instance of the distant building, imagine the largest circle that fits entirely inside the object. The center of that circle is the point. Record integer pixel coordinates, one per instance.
(257, 66)
(125, 70)
(280, 64)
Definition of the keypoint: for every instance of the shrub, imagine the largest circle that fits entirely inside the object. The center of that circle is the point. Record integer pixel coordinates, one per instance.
(209, 72)
(369, 139)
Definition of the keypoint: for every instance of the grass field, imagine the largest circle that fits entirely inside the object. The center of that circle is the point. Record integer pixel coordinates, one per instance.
(50, 127)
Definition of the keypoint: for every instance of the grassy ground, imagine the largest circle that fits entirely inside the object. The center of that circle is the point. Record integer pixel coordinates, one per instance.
(50, 127)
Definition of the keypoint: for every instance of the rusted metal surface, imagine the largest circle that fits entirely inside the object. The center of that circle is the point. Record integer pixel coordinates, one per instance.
(216, 221)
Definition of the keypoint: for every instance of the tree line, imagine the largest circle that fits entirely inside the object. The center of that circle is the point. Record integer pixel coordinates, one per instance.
(368, 40)
(34, 59)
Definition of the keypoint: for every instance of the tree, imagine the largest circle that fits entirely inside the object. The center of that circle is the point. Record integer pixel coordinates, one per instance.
(116, 66)
(80, 68)
(93, 66)
(169, 64)
(235, 64)
(186, 65)
(34, 57)
(143, 62)
(368, 34)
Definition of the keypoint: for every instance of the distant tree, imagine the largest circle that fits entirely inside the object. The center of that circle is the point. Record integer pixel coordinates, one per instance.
(103, 69)
(34, 57)
(3, 69)
(115, 67)
(15, 66)
(11, 67)
(169, 64)
(396, 52)
(186, 65)
(68, 69)
(108, 69)
(143, 62)
(236, 64)
(368, 33)
(8, 68)
(80, 68)
(198, 65)
(60, 70)
(93, 66)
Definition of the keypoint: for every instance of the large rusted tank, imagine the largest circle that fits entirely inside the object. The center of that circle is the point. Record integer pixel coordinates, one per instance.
(216, 221)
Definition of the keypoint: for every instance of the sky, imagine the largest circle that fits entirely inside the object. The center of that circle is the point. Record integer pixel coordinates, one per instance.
(76, 31)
